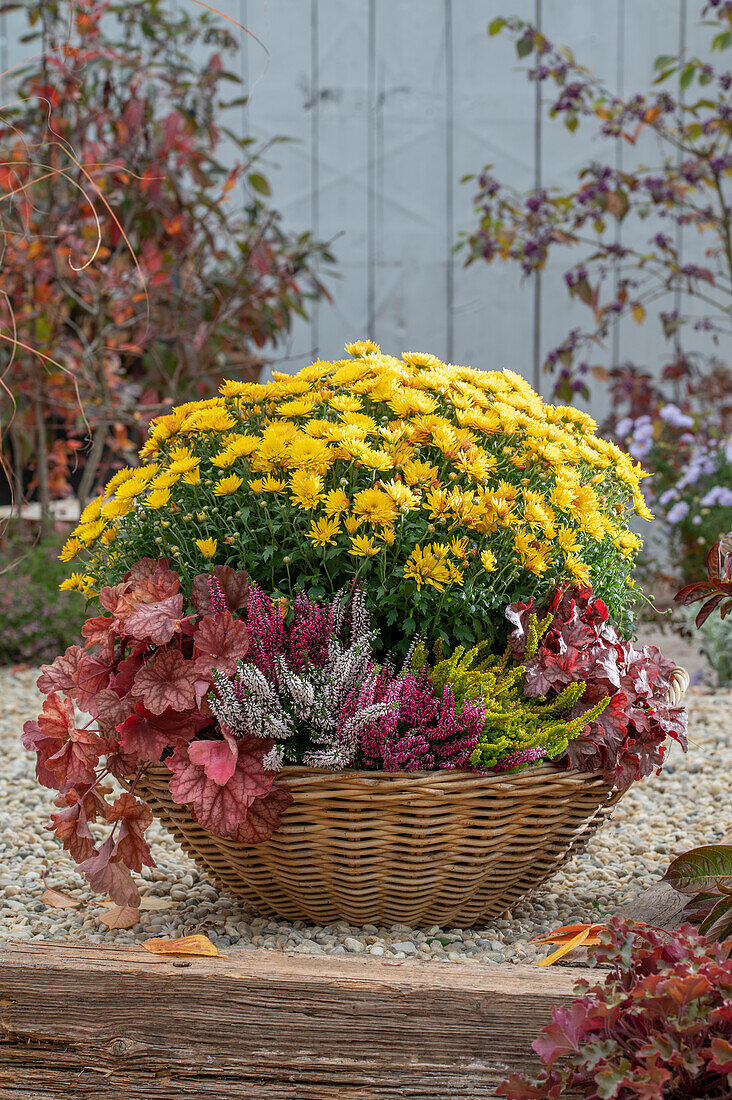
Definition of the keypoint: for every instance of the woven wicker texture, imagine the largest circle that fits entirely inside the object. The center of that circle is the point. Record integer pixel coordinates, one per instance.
(448, 848)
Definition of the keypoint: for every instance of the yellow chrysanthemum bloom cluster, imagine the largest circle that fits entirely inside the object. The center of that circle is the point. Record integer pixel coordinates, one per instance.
(447, 492)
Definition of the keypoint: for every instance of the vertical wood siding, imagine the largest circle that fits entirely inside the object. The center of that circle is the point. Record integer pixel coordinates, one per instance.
(390, 104)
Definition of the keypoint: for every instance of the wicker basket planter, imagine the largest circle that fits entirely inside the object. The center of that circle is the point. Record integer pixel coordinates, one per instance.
(418, 848)
(421, 848)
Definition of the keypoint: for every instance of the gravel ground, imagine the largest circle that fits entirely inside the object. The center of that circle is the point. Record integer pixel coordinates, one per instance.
(685, 806)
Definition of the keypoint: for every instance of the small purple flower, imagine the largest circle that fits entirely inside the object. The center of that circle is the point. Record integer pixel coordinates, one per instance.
(677, 513)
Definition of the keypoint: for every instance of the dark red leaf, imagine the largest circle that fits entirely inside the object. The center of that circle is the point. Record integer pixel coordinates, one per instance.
(221, 808)
(72, 828)
(263, 817)
(147, 735)
(61, 675)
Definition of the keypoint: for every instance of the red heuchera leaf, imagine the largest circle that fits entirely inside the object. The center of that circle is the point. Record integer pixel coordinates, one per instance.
(147, 736)
(108, 875)
(217, 758)
(109, 709)
(61, 675)
(134, 817)
(263, 816)
(219, 642)
(627, 740)
(92, 676)
(168, 683)
(234, 586)
(71, 826)
(156, 622)
(98, 631)
(68, 753)
(221, 808)
(35, 741)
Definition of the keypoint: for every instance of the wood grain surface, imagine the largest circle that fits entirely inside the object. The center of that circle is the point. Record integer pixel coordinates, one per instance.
(107, 1023)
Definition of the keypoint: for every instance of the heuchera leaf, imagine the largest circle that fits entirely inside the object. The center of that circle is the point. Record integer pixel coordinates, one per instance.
(217, 758)
(134, 817)
(166, 683)
(147, 735)
(71, 826)
(263, 816)
(156, 622)
(68, 753)
(108, 875)
(219, 642)
(234, 586)
(221, 808)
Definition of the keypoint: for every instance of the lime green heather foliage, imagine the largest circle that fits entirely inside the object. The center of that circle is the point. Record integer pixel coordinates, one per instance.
(514, 723)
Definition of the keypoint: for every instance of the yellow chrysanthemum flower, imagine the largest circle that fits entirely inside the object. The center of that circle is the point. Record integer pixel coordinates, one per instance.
(323, 532)
(352, 524)
(363, 547)
(158, 498)
(375, 507)
(207, 547)
(425, 567)
(305, 489)
(75, 583)
(488, 561)
(193, 477)
(70, 549)
(228, 485)
(336, 503)
(115, 509)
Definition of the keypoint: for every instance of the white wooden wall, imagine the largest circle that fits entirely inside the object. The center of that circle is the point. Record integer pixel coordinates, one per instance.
(391, 102)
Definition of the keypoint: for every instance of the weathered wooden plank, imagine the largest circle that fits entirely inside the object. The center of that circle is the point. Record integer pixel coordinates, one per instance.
(112, 1022)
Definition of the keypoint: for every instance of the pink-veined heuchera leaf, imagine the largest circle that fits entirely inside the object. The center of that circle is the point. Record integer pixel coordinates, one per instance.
(221, 808)
(167, 683)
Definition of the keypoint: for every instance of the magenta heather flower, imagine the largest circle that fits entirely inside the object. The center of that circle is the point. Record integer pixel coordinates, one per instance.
(421, 731)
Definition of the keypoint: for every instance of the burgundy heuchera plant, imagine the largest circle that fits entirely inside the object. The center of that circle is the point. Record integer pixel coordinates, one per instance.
(143, 676)
(627, 740)
(658, 1028)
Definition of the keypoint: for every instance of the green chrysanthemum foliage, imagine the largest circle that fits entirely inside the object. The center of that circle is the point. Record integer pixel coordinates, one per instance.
(514, 723)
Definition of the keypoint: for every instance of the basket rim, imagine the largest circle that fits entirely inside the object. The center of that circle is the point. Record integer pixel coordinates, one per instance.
(299, 772)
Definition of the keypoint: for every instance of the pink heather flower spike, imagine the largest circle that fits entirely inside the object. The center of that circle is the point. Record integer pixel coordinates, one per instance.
(526, 756)
(218, 600)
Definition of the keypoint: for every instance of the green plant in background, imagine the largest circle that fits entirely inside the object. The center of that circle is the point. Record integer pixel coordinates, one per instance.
(518, 729)
(714, 639)
(38, 620)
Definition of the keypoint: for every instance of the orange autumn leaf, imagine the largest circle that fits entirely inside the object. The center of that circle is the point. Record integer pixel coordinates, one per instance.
(188, 945)
(569, 936)
(567, 946)
(56, 900)
(569, 932)
(120, 916)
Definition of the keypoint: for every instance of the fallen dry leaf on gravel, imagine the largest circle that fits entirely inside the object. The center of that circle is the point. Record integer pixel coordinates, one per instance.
(57, 900)
(146, 903)
(120, 916)
(188, 945)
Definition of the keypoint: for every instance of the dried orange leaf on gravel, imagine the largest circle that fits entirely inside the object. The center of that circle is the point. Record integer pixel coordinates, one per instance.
(576, 941)
(188, 945)
(57, 900)
(120, 916)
